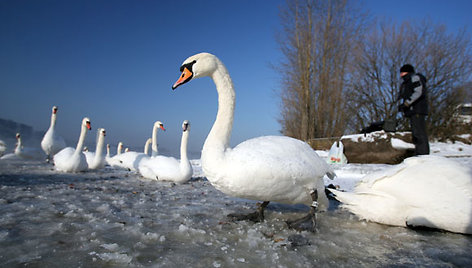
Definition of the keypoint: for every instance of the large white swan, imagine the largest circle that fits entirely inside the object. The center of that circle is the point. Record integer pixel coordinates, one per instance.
(169, 168)
(271, 168)
(96, 160)
(70, 159)
(52, 142)
(130, 160)
(427, 191)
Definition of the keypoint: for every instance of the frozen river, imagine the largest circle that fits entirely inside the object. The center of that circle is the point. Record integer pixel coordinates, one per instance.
(114, 218)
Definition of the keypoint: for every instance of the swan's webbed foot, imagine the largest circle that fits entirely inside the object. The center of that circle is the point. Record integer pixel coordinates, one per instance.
(308, 222)
(256, 216)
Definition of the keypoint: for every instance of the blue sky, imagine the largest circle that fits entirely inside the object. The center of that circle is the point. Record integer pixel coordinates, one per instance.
(115, 62)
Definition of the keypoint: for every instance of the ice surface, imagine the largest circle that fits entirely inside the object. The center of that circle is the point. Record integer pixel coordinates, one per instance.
(114, 218)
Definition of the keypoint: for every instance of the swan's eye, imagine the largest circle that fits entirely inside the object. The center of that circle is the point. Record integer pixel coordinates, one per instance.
(188, 66)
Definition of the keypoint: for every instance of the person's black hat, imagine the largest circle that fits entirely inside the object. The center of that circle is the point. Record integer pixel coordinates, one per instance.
(407, 68)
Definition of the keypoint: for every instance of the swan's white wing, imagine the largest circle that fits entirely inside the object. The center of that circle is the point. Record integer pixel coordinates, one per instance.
(130, 160)
(165, 168)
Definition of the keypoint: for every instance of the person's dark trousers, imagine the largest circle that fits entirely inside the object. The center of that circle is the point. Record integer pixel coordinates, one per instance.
(420, 136)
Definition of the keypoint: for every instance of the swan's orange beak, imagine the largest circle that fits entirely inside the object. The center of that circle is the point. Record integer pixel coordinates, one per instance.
(184, 78)
(89, 127)
(162, 127)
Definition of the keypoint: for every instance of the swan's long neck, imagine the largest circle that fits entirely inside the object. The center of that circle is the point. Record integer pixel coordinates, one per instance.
(220, 134)
(80, 143)
(118, 150)
(146, 146)
(18, 146)
(53, 121)
(99, 148)
(154, 140)
(183, 147)
(108, 151)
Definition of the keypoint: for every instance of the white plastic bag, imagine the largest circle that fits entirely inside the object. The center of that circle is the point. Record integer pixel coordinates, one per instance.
(336, 155)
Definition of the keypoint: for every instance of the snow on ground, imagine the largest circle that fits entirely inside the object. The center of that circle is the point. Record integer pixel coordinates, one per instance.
(113, 217)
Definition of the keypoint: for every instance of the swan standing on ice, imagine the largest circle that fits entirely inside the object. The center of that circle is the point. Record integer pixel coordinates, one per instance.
(428, 191)
(52, 142)
(96, 160)
(271, 168)
(70, 159)
(131, 160)
(168, 168)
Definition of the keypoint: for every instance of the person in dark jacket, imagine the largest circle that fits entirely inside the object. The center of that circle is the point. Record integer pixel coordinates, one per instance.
(415, 106)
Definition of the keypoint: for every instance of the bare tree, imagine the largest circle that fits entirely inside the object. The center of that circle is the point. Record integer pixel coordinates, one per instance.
(445, 60)
(316, 41)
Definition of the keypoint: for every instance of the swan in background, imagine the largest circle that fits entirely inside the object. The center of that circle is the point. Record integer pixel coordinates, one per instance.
(168, 168)
(52, 142)
(70, 159)
(428, 191)
(96, 160)
(130, 160)
(27, 152)
(133, 164)
(271, 168)
(146, 146)
(119, 148)
(107, 156)
(157, 125)
(113, 161)
(3, 148)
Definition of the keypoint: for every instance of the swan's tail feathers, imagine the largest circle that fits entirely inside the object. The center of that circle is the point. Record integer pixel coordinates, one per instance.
(343, 197)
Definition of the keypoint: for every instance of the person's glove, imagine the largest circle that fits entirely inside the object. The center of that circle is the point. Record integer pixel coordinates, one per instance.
(402, 108)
